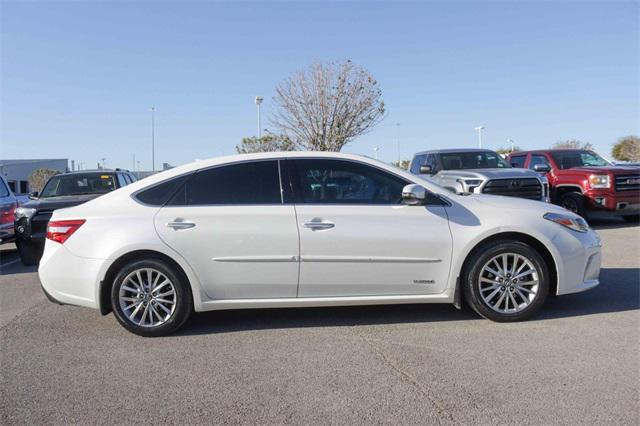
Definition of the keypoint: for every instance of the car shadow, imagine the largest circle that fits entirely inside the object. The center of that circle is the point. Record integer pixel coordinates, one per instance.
(610, 223)
(10, 263)
(619, 291)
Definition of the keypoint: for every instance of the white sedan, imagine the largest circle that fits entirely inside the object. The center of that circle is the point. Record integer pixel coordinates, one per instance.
(308, 229)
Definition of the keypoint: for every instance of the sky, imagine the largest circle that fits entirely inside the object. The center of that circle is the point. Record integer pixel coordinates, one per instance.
(78, 79)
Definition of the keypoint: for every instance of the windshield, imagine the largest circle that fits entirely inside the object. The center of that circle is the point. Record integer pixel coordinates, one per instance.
(472, 160)
(79, 183)
(569, 159)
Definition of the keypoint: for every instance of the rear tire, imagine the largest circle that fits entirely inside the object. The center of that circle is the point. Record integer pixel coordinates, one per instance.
(150, 298)
(575, 203)
(506, 290)
(29, 254)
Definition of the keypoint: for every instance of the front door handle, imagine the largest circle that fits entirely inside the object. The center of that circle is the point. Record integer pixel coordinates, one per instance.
(180, 224)
(317, 225)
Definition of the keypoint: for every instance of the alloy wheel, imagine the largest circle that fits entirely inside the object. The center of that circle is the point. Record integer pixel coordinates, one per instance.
(147, 297)
(508, 283)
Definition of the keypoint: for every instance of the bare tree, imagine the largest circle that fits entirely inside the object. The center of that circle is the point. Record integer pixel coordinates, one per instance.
(268, 143)
(39, 177)
(627, 149)
(572, 144)
(328, 105)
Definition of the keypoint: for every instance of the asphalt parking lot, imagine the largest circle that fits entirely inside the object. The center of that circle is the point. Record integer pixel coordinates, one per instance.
(578, 362)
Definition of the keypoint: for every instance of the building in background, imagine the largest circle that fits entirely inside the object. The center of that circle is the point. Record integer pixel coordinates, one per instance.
(17, 172)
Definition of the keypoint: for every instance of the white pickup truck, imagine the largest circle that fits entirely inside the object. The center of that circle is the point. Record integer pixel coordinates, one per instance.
(479, 171)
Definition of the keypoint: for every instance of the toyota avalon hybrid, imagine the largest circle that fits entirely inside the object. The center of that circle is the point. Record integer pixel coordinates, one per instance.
(308, 229)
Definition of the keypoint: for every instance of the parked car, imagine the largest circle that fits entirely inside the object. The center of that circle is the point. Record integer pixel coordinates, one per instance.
(585, 183)
(8, 205)
(480, 171)
(60, 191)
(308, 229)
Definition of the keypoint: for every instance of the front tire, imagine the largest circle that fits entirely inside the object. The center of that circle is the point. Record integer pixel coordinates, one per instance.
(150, 298)
(575, 203)
(28, 252)
(506, 281)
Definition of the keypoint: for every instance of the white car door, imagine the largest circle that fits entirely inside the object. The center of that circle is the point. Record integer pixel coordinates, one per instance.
(230, 224)
(357, 239)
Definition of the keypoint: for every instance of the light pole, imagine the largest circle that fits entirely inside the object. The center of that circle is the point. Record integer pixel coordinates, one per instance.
(376, 149)
(398, 141)
(104, 163)
(153, 139)
(513, 144)
(479, 129)
(258, 100)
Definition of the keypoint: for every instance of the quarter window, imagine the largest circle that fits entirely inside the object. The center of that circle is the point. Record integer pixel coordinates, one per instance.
(240, 184)
(345, 182)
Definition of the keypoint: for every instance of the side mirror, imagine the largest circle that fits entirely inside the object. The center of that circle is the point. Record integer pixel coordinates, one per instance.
(542, 168)
(414, 195)
(426, 170)
(34, 195)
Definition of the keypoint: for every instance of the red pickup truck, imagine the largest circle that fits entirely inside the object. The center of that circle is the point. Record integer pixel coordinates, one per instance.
(585, 183)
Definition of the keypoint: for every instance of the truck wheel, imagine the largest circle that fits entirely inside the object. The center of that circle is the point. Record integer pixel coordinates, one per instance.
(634, 218)
(29, 255)
(574, 202)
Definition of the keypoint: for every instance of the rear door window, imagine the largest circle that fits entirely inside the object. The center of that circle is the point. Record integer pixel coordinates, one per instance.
(517, 160)
(538, 159)
(253, 183)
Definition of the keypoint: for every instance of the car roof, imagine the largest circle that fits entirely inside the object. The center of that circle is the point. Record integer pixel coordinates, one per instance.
(92, 171)
(452, 151)
(550, 150)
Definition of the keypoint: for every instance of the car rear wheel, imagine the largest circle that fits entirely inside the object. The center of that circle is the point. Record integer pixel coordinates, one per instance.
(150, 298)
(28, 252)
(506, 281)
(575, 203)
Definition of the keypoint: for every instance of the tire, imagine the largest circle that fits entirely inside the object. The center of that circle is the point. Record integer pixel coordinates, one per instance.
(29, 254)
(145, 311)
(634, 218)
(492, 299)
(575, 203)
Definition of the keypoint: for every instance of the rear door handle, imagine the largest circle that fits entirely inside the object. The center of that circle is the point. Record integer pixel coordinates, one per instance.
(319, 225)
(179, 224)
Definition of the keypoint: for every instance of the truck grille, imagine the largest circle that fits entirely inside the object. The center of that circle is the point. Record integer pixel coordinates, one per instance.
(628, 183)
(524, 188)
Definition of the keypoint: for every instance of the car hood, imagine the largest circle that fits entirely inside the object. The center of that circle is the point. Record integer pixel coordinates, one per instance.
(492, 173)
(53, 203)
(616, 170)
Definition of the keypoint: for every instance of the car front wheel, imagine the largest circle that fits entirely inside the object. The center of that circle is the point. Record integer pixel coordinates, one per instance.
(506, 281)
(150, 298)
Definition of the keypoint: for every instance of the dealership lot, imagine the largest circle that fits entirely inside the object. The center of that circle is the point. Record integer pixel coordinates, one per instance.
(578, 361)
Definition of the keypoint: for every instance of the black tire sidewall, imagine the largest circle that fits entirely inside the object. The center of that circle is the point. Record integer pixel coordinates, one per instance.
(27, 252)
(482, 256)
(580, 203)
(184, 300)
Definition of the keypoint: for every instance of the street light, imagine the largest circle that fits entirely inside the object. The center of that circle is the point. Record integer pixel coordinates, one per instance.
(479, 129)
(258, 100)
(513, 144)
(376, 149)
(398, 141)
(153, 139)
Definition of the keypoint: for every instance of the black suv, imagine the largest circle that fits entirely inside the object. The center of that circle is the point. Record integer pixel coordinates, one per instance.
(63, 190)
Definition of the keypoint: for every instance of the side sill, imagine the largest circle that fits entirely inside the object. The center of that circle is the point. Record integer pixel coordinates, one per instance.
(302, 302)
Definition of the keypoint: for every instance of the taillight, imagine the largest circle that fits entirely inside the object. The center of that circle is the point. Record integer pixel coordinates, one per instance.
(6, 215)
(61, 230)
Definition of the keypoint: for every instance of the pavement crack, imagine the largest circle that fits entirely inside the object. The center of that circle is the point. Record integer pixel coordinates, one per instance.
(410, 379)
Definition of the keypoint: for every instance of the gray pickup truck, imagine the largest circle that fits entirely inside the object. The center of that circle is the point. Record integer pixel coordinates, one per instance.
(479, 171)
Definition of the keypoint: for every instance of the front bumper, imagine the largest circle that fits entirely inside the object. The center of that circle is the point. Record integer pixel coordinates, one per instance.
(581, 257)
(617, 203)
(69, 279)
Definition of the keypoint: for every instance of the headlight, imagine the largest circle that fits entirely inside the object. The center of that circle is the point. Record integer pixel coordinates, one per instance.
(599, 181)
(574, 223)
(24, 212)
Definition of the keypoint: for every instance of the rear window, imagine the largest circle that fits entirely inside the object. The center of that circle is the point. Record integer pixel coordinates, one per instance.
(79, 183)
